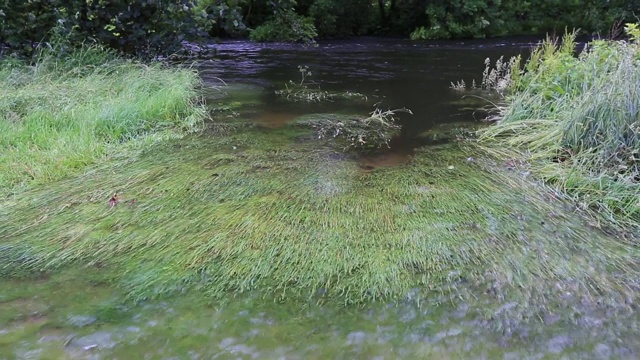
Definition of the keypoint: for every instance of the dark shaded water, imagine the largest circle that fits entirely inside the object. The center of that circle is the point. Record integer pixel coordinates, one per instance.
(395, 72)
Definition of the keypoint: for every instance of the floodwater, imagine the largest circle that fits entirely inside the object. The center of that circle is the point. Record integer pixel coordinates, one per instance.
(398, 73)
(63, 318)
(391, 73)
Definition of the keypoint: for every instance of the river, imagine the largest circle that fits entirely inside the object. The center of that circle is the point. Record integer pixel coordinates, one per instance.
(397, 72)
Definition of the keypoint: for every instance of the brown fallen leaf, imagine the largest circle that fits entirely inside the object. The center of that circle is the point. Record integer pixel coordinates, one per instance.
(115, 199)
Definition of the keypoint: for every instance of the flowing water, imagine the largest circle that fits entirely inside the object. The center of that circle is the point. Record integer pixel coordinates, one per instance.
(392, 73)
(398, 73)
(62, 317)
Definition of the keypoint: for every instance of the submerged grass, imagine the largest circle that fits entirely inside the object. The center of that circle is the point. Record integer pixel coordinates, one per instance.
(575, 120)
(60, 115)
(262, 210)
(359, 132)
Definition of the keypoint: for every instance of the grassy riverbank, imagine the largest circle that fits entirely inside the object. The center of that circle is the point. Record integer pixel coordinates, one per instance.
(64, 113)
(574, 122)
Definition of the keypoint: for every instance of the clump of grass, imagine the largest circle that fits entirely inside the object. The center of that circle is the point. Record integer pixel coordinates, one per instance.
(64, 112)
(300, 91)
(498, 77)
(461, 85)
(260, 210)
(502, 75)
(575, 120)
(359, 132)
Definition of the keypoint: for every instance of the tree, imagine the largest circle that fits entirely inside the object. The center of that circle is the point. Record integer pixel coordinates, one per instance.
(334, 18)
(223, 17)
(143, 27)
(457, 18)
(285, 25)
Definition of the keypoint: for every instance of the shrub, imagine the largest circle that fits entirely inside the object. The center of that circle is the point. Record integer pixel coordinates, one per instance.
(142, 27)
(286, 26)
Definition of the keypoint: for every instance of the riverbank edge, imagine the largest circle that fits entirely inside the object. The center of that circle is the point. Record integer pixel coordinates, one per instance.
(69, 111)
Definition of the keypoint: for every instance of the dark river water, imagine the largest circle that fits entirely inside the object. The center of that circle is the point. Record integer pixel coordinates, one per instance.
(398, 73)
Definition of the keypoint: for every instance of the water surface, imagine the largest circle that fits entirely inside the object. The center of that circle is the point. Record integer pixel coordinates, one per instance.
(397, 73)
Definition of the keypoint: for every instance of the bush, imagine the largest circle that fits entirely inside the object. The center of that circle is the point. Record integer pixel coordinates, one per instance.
(142, 27)
(481, 18)
(287, 26)
(333, 18)
(459, 18)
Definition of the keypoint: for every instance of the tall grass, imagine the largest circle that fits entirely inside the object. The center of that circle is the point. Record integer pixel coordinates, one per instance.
(576, 120)
(64, 112)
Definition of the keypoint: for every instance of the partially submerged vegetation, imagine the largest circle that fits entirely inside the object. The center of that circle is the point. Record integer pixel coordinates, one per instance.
(574, 121)
(244, 208)
(65, 112)
(358, 132)
(300, 91)
(267, 211)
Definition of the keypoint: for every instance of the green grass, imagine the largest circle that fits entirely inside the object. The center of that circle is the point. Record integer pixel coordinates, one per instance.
(62, 114)
(277, 212)
(574, 120)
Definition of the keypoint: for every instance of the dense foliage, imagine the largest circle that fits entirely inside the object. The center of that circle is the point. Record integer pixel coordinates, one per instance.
(144, 27)
(423, 19)
(150, 26)
(285, 25)
(480, 18)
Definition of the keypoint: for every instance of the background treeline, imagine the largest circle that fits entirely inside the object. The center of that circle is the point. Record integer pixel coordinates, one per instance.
(152, 26)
